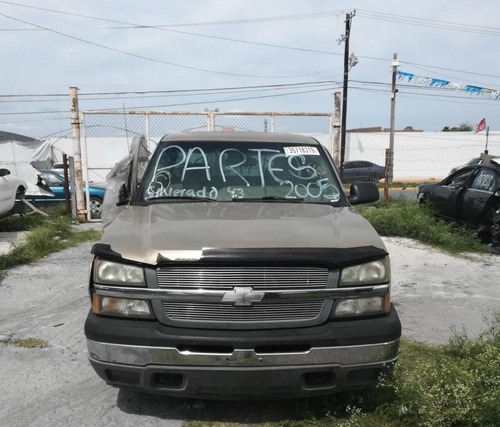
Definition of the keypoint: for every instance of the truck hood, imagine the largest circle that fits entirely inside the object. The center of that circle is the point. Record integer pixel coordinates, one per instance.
(187, 231)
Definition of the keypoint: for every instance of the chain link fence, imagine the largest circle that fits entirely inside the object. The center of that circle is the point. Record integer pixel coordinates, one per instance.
(106, 136)
(418, 156)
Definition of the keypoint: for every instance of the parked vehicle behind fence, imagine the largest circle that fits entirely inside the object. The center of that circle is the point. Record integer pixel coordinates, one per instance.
(239, 270)
(12, 189)
(56, 182)
(361, 170)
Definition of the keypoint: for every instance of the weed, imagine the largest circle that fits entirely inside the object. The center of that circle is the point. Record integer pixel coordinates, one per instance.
(45, 236)
(25, 342)
(405, 218)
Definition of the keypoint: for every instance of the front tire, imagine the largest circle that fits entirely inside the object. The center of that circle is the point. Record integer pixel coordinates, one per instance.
(374, 177)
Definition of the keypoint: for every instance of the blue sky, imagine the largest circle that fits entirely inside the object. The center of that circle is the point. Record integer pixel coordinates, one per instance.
(236, 55)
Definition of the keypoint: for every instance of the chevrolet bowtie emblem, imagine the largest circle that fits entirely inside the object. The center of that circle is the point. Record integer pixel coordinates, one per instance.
(241, 296)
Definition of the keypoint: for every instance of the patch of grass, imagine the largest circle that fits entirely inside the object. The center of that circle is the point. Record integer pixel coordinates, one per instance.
(27, 222)
(25, 342)
(45, 236)
(451, 385)
(405, 218)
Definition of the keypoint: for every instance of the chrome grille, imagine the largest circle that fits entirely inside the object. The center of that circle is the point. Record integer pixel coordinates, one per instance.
(257, 313)
(260, 279)
(255, 277)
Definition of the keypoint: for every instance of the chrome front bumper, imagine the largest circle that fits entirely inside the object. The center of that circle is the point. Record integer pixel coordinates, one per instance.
(242, 374)
(143, 355)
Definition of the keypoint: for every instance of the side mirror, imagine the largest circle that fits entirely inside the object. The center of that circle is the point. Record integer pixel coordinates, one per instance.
(363, 192)
(4, 172)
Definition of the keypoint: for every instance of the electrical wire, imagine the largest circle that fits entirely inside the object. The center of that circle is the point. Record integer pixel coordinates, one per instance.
(360, 12)
(429, 23)
(188, 103)
(152, 59)
(178, 92)
(313, 15)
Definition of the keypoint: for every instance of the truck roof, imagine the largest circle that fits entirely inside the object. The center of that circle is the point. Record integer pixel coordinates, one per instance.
(241, 136)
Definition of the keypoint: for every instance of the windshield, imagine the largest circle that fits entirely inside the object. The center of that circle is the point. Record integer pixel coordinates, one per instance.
(237, 171)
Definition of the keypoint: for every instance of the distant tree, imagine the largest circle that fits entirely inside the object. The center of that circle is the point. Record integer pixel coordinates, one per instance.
(463, 127)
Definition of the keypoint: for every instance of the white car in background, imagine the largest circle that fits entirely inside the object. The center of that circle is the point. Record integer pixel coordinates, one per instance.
(12, 189)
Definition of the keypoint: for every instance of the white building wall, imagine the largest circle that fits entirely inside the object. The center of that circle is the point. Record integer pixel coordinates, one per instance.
(417, 155)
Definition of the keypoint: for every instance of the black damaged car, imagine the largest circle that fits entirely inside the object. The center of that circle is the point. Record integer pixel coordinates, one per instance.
(470, 196)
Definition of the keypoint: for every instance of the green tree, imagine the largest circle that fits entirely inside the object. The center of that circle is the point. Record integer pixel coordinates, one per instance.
(463, 127)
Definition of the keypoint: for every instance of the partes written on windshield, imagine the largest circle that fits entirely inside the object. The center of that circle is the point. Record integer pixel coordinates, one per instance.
(224, 171)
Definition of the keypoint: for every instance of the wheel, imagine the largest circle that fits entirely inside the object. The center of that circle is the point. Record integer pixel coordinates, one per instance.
(95, 206)
(374, 177)
(422, 200)
(488, 222)
(20, 193)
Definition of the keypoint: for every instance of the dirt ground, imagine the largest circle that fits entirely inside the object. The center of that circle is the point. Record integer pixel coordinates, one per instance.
(433, 292)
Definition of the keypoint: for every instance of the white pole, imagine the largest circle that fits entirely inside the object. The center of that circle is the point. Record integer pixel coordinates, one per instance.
(75, 127)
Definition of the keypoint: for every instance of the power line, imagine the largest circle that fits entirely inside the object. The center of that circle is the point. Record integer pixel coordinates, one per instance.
(369, 14)
(332, 87)
(313, 15)
(180, 91)
(430, 23)
(228, 99)
(167, 27)
(148, 58)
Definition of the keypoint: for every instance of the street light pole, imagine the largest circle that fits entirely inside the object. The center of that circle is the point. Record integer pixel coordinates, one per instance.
(390, 170)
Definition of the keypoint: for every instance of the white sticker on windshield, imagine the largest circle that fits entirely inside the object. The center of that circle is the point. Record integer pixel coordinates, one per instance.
(293, 151)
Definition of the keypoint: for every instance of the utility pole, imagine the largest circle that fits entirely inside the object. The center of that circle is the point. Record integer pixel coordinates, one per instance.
(336, 129)
(348, 63)
(390, 169)
(77, 155)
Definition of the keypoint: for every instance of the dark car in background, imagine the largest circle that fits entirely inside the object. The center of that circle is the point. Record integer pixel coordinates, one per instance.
(362, 170)
(470, 196)
(56, 184)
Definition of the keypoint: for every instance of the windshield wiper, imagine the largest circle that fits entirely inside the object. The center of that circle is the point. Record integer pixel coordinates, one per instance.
(195, 198)
(267, 198)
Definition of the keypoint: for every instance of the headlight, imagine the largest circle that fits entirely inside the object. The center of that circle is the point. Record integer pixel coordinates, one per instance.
(115, 273)
(362, 306)
(123, 307)
(369, 273)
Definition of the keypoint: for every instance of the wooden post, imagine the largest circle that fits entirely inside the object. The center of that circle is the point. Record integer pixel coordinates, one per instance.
(66, 184)
(386, 178)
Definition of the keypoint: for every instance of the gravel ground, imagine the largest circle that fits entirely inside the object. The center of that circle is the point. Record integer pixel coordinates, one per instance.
(56, 385)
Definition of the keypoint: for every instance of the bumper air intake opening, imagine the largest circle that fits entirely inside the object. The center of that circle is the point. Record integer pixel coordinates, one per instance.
(167, 380)
(122, 377)
(319, 379)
